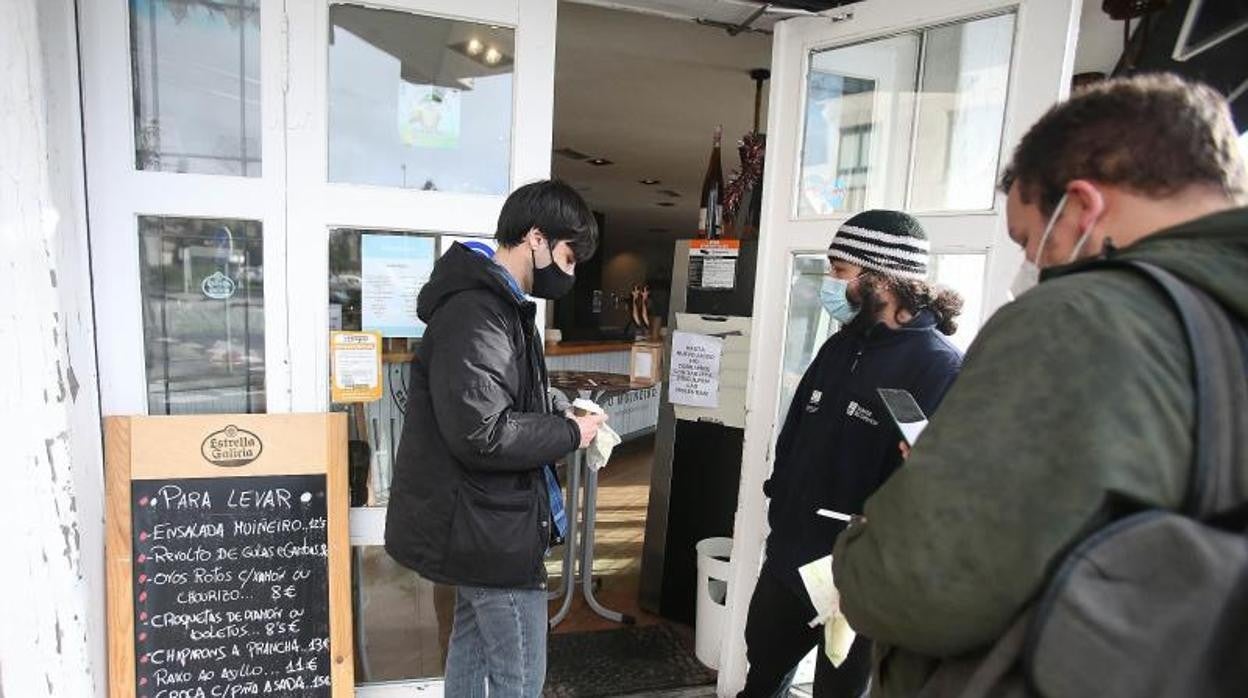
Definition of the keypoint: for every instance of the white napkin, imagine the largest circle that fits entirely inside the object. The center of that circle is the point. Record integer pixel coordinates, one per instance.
(837, 635)
(600, 450)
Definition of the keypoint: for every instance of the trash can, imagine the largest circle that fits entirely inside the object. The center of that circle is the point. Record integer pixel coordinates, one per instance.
(712, 610)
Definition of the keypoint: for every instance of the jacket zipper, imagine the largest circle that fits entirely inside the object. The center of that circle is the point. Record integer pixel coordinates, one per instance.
(854, 366)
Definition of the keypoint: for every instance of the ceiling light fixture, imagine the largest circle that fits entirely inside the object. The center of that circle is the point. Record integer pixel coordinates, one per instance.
(648, 182)
(599, 162)
(477, 51)
(665, 204)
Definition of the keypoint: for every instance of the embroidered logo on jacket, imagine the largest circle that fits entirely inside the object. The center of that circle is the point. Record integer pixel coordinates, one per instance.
(816, 396)
(856, 410)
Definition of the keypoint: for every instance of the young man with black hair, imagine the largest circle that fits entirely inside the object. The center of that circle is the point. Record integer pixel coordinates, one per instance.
(475, 502)
(1076, 396)
(837, 444)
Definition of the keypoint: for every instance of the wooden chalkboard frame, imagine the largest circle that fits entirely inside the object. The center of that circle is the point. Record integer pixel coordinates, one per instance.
(138, 448)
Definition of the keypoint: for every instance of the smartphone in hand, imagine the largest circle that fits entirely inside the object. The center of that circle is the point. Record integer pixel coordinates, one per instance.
(906, 413)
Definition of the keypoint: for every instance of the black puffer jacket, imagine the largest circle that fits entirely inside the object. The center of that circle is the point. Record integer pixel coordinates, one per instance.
(468, 504)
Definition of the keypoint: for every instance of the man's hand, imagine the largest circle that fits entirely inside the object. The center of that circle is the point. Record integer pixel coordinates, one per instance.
(905, 450)
(589, 425)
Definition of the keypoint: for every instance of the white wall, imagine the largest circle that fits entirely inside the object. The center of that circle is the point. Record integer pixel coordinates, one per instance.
(52, 638)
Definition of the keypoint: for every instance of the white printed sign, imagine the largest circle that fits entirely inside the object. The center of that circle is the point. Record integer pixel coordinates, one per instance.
(695, 370)
(394, 269)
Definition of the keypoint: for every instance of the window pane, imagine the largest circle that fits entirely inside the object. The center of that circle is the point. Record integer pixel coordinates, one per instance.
(203, 314)
(419, 102)
(374, 279)
(196, 73)
(808, 326)
(402, 621)
(912, 121)
(857, 104)
(966, 70)
(963, 273)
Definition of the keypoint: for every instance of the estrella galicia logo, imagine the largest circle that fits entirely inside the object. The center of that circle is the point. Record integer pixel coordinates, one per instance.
(231, 447)
(218, 286)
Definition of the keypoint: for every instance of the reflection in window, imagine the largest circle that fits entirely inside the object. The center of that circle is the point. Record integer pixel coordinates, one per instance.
(203, 314)
(369, 267)
(419, 102)
(402, 621)
(808, 325)
(837, 147)
(196, 74)
(913, 121)
(966, 69)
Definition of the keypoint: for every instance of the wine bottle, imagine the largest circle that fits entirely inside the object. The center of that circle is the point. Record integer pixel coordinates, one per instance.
(711, 212)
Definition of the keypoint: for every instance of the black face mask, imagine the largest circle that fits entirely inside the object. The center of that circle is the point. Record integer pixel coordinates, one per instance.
(551, 282)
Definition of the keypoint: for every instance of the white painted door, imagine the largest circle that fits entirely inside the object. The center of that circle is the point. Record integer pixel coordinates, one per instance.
(186, 172)
(409, 123)
(883, 104)
(245, 158)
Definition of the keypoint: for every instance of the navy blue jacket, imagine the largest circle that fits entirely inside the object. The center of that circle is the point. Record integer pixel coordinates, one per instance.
(838, 444)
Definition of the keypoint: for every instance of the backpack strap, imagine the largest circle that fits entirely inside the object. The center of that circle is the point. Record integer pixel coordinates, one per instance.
(1220, 363)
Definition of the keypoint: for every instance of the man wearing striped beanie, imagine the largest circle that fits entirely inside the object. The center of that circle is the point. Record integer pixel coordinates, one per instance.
(837, 444)
(890, 242)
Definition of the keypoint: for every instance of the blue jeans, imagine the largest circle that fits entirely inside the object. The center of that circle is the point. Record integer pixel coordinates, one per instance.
(499, 637)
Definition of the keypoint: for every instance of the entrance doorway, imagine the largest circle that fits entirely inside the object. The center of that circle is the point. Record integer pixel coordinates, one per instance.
(248, 161)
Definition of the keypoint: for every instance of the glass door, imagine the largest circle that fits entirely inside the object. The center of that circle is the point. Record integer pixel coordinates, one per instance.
(186, 172)
(410, 122)
(883, 104)
(254, 167)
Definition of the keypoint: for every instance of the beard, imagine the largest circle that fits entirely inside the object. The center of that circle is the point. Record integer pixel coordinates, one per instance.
(870, 305)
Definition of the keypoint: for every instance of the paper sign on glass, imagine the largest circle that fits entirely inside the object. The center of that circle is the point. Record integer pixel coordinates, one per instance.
(393, 269)
(695, 370)
(355, 366)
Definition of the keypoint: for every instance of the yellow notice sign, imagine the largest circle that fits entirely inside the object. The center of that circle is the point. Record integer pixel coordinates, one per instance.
(355, 366)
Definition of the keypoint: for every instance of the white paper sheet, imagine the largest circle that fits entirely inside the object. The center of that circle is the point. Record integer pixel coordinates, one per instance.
(817, 578)
(695, 370)
(820, 586)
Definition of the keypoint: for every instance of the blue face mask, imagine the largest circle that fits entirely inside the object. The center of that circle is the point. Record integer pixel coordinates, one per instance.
(832, 296)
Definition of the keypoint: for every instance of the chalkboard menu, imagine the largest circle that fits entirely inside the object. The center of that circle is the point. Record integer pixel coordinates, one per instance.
(228, 557)
(233, 593)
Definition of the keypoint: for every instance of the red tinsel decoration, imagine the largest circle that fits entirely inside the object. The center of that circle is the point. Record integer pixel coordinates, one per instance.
(752, 149)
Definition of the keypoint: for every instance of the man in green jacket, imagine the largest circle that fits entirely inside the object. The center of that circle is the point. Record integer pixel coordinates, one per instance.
(1078, 392)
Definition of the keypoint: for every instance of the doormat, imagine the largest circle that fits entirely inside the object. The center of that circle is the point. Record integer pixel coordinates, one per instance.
(620, 662)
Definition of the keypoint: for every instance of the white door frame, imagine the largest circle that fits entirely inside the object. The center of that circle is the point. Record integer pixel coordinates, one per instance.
(315, 205)
(118, 193)
(1042, 63)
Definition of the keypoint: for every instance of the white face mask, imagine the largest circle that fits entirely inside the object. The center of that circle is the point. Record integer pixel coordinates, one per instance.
(1029, 272)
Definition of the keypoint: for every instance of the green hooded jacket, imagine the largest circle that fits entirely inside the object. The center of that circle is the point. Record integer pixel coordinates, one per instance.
(1079, 390)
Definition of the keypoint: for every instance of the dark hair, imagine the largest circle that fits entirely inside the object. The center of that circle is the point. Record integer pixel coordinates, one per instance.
(912, 295)
(554, 208)
(1154, 134)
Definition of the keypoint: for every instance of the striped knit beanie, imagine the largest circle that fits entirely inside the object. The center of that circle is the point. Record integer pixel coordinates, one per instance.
(890, 242)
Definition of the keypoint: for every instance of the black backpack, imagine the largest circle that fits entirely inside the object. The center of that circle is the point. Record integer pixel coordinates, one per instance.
(1155, 603)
